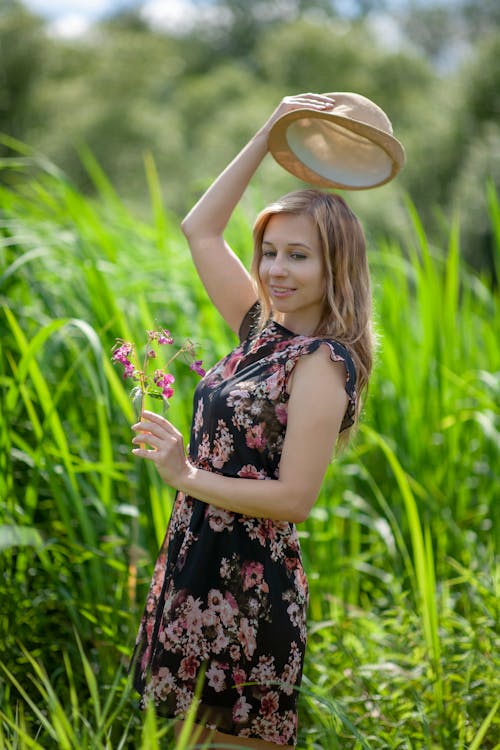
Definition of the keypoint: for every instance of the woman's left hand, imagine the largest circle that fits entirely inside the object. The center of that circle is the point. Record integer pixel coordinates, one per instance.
(166, 447)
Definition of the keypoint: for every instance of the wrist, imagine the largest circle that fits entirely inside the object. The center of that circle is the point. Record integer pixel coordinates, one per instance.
(260, 138)
(187, 481)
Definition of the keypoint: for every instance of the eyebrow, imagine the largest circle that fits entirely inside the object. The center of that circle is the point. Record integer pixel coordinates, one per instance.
(289, 244)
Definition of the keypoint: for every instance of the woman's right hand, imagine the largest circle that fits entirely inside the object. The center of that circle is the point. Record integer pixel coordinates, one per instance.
(319, 102)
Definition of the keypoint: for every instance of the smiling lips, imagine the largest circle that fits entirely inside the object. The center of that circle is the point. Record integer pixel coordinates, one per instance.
(281, 291)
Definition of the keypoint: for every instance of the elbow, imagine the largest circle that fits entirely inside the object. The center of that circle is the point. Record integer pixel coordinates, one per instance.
(300, 516)
(299, 512)
(186, 226)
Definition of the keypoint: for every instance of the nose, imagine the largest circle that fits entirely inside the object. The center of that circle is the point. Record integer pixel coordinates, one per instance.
(278, 266)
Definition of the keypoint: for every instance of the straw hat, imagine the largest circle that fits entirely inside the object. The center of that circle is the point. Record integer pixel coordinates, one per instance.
(350, 146)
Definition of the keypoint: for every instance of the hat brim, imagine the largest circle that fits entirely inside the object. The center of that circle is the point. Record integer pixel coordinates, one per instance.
(330, 150)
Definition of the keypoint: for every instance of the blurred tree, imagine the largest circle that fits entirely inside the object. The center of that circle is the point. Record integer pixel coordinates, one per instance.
(110, 91)
(481, 17)
(22, 49)
(448, 32)
(194, 96)
(478, 160)
(245, 22)
(482, 83)
(236, 26)
(334, 55)
(481, 163)
(309, 56)
(436, 30)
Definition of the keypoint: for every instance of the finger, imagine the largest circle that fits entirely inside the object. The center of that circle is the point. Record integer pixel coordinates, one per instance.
(150, 417)
(148, 439)
(144, 453)
(312, 100)
(155, 428)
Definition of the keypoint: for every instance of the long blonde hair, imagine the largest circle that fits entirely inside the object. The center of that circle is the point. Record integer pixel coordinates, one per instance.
(347, 308)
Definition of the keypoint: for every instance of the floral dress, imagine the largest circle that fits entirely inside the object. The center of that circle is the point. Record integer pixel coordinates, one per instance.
(229, 595)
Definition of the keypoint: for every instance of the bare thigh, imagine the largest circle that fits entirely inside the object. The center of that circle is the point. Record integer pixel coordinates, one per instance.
(223, 740)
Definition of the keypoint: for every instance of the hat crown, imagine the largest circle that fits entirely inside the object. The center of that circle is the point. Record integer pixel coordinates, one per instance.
(358, 107)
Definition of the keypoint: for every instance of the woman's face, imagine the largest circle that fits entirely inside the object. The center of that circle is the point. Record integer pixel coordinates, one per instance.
(291, 271)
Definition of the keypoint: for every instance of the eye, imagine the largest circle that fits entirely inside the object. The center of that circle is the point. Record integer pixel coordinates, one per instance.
(298, 256)
(266, 253)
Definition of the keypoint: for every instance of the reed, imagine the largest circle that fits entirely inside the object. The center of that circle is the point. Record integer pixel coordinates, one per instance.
(401, 546)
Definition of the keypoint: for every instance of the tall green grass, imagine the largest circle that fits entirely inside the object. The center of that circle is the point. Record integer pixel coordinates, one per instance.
(401, 547)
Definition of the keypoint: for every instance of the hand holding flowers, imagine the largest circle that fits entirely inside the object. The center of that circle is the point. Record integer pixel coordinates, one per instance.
(165, 441)
(166, 447)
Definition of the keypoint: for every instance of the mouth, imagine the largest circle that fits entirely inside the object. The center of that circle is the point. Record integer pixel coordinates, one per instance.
(281, 291)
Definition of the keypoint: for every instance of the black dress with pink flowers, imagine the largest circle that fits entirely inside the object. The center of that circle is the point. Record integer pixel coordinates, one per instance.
(229, 594)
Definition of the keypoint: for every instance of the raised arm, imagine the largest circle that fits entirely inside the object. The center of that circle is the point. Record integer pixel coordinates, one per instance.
(225, 278)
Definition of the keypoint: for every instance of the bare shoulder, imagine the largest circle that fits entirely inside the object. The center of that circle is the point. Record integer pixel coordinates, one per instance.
(318, 373)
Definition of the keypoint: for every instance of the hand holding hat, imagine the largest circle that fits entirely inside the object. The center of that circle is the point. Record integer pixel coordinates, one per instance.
(341, 140)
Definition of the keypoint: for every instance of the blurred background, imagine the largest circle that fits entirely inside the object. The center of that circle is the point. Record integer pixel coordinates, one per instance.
(191, 80)
(114, 116)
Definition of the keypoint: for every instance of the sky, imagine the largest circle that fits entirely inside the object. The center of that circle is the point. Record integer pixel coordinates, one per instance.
(90, 9)
(71, 18)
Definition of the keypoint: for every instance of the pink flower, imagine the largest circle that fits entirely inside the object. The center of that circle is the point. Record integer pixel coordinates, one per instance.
(274, 384)
(216, 677)
(193, 615)
(188, 668)
(231, 364)
(232, 601)
(209, 618)
(301, 580)
(255, 437)
(294, 612)
(220, 642)
(219, 519)
(241, 710)
(122, 352)
(197, 367)
(214, 599)
(164, 380)
(128, 369)
(239, 677)
(227, 613)
(164, 337)
(235, 654)
(246, 635)
(253, 576)
(270, 703)
(265, 671)
(281, 412)
(251, 472)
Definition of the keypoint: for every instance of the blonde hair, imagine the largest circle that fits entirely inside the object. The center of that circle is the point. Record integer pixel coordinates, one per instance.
(347, 308)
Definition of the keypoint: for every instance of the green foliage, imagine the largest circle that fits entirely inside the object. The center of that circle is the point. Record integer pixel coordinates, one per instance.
(400, 546)
(22, 48)
(192, 96)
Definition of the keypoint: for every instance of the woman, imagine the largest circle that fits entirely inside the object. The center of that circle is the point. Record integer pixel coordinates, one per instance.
(229, 595)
